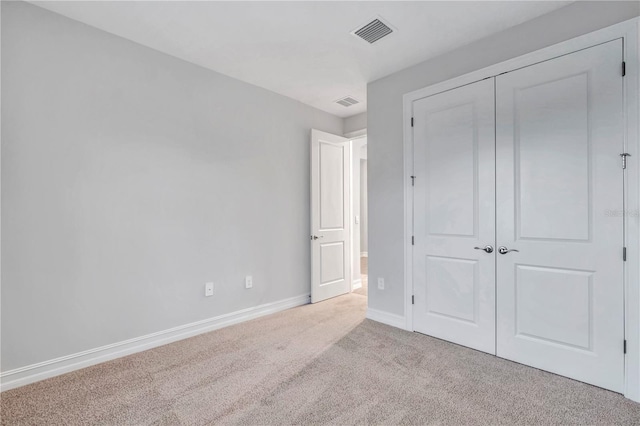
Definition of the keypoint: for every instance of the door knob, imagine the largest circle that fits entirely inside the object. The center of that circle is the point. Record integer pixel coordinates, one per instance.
(504, 250)
(315, 237)
(488, 249)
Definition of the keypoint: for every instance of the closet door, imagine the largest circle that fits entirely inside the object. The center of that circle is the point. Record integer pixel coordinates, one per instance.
(454, 207)
(559, 192)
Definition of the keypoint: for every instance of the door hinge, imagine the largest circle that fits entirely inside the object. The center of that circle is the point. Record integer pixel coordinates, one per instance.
(413, 241)
(413, 300)
(413, 181)
(411, 121)
(624, 254)
(624, 68)
(624, 156)
(624, 346)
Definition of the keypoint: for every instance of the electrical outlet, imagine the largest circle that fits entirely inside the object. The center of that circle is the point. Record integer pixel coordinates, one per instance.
(248, 281)
(380, 283)
(208, 289)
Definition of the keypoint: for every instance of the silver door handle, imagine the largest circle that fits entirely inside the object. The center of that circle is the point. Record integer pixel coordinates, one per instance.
(488, 249)
(504, 250)
(315, 237)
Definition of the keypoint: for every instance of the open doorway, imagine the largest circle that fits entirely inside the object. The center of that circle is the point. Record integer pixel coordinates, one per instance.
(359, 208)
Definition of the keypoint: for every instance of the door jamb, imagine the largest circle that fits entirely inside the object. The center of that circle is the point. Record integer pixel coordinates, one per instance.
(629, 32)
(353, 137)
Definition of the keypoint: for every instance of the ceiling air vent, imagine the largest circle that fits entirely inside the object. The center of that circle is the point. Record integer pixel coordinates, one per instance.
(347, 101)
(373, 31)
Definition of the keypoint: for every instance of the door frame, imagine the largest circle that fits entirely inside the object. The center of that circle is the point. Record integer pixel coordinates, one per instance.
(629, 32)
(356, 283)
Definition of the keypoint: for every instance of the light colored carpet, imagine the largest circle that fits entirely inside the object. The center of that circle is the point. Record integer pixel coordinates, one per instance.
(317, 364)
(364, 271)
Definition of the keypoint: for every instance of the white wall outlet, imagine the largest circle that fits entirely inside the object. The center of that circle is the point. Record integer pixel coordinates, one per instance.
(248, 281)
(208, 289)
(380, 283)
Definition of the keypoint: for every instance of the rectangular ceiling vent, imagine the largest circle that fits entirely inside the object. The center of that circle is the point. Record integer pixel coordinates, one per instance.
(373, 31)
(347, 101)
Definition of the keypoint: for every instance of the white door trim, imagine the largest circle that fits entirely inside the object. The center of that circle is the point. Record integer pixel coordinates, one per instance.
(628, 31)
(356, 282)
(353, 280)
(356, 134)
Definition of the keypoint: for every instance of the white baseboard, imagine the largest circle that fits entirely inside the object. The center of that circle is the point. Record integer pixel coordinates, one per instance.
(356, 284)
(54, 367)
(386, 318)
(364, 254)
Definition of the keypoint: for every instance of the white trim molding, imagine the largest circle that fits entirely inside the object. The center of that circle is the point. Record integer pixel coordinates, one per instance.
(628, 31)
(43, 370)
(356, 134)
(356, 284)
(386, 318)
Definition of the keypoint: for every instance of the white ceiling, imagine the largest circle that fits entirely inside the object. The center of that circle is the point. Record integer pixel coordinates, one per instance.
(303, 50)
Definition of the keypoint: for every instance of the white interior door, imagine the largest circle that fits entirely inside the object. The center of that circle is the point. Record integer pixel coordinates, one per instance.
(558, 177)
(454, 216)
(330, 224)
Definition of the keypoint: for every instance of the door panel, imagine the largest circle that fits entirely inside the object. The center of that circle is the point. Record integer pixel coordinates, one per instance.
(332, 207)
(451, 288)
(331, 262)
(330, 232)
(558, 322)
(559, 136)
(454, 208)
(451, 156)
(552, 127)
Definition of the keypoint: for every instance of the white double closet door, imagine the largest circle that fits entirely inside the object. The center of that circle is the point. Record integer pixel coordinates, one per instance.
(526, 165)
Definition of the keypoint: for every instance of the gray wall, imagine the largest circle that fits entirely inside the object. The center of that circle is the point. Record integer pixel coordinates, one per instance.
(129, 179)
(384, 128)
(355, 122)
